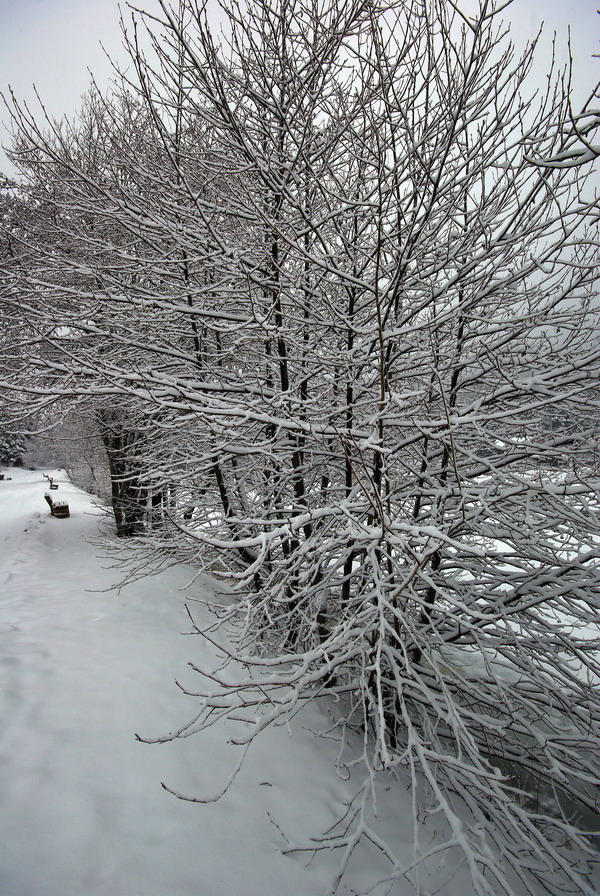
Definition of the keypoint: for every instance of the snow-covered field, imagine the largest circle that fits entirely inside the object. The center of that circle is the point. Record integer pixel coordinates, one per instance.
(83, 667)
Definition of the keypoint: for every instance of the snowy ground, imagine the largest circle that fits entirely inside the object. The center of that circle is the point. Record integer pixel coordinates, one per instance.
(82, 668)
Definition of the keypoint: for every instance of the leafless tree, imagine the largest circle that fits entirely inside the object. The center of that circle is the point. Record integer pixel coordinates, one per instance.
(339, 273)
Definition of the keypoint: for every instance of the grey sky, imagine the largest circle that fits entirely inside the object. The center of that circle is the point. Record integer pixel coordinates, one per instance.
(53, 43)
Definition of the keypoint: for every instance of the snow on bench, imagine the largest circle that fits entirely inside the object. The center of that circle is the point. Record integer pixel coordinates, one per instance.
(59, 509)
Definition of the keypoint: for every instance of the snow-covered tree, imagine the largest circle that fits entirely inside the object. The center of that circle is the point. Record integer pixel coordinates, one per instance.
(346, 299)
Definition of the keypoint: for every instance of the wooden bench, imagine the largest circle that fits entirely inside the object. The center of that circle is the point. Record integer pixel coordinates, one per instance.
(53, 485)
(58, 509)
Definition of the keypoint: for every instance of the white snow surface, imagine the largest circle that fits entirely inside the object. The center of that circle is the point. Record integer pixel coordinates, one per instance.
(84, 665)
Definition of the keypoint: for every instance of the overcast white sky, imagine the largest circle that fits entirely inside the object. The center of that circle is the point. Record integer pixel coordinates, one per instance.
(53, 43)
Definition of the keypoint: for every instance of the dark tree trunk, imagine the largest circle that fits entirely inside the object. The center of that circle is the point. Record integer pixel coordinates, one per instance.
(128, 490)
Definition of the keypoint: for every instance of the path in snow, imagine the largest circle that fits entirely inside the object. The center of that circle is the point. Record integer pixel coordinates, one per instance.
(81, 670)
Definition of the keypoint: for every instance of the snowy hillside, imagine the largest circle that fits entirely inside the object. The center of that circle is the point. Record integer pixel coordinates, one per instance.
(83, 667)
